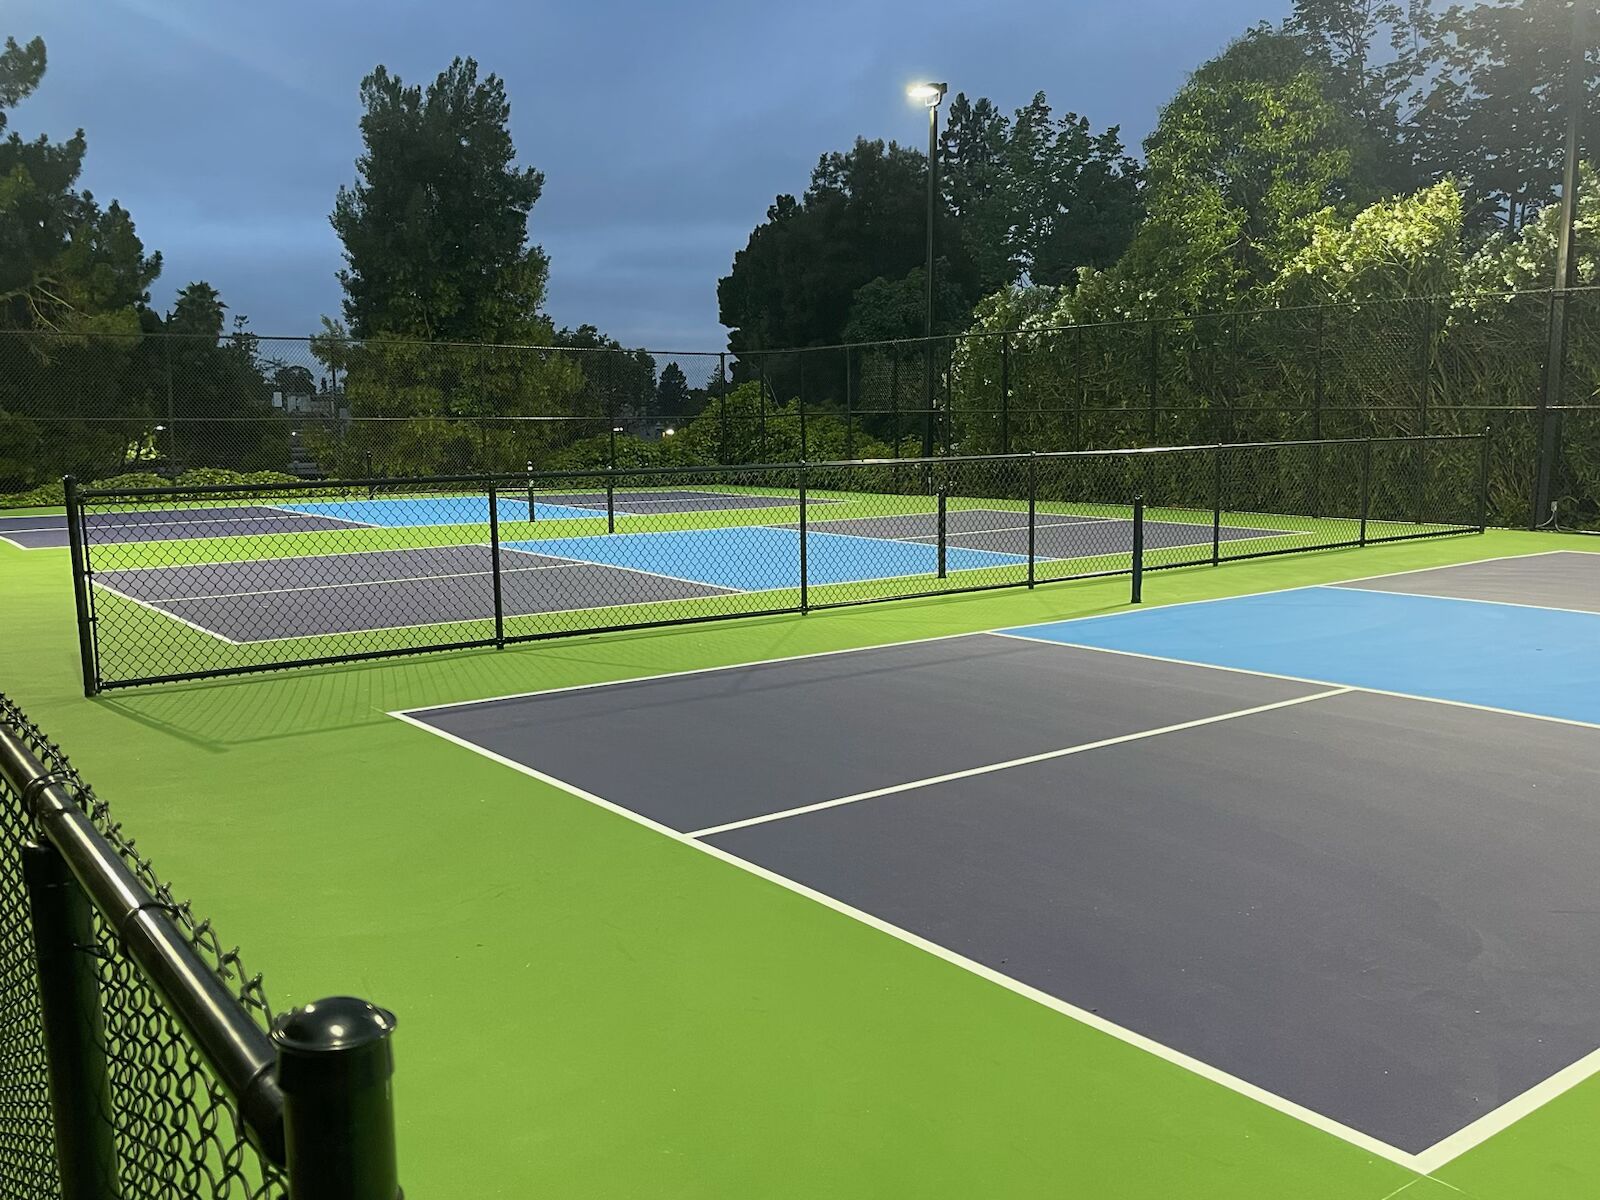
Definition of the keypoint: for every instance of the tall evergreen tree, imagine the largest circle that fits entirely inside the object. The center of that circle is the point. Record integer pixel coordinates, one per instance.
(435, 228)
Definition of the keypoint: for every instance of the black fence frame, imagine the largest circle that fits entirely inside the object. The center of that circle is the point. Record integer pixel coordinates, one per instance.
(313, 1095)
(933, 470)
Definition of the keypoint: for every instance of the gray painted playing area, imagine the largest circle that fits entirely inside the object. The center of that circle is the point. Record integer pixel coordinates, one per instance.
(270, 599)
(159, 525)
(1056, 536)
(1566, 579)
(1378, 908)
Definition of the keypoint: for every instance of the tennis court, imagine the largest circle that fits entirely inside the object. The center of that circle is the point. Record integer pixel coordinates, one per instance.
(249, 601)
(1332, 847)
(49, 531)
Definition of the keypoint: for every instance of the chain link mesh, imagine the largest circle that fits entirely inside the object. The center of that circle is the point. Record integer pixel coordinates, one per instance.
(195, 582)
(177, 1133)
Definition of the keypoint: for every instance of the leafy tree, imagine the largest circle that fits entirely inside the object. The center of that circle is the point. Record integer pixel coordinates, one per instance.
(1238, 168)
(1495, 110)
(435, 229)
(68, 268)
(886, 309)
(1410, 246)
(220, 391)
(619, 382)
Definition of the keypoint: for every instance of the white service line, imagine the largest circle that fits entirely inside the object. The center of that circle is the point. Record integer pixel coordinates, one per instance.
(990, 768)
(1353, 687)
(1095, 1021)
(1587, 612)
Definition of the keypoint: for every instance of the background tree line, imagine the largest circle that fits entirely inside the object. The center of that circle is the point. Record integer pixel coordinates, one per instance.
(1359, 149)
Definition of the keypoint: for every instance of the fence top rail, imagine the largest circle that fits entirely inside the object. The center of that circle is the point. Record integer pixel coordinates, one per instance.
(236, 1048)
(525, 479)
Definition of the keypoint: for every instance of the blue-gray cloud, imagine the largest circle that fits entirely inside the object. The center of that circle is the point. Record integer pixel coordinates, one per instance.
(664, 131)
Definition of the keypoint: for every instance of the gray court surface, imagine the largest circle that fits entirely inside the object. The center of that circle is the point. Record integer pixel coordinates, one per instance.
(270, 599)
(1565, 579)
(1005, 531)
(159, 525)
(1379, 908)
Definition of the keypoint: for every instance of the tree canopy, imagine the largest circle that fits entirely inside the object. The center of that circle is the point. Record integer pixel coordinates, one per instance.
(435, 228)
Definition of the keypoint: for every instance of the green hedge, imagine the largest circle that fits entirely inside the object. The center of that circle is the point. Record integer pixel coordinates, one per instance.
(50, 494)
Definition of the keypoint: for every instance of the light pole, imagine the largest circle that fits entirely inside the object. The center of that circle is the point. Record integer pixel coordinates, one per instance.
(931, 95)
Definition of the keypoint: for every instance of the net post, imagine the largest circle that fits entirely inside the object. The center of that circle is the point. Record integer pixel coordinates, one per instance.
(944, 491)
(80, 587)
(1138, 550)
(611, 500)
(1033, 512)
(494, 567)
(1216, 504)
(805, 591)
(1483, 481)
(1366, 487)
(335, 1062)
(74, 1027)
(530, 494)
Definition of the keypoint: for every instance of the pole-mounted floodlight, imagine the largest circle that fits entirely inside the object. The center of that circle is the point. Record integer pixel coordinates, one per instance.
(931, 95)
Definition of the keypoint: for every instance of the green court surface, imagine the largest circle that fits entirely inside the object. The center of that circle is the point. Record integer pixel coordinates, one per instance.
(589, 1009)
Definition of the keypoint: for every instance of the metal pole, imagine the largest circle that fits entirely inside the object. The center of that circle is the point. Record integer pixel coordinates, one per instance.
(1216, 505)
(722, 405)
(849, 410)
(943, 499)
(762, 386)
(805, 595)
(1555, 360)
(894, 397)
(74, 1029)
(494, 567)
(1366, 487)
(335, 1065)
(1153, 383)
(611, 502)
(927, 313)
(172, 421)
(802, 403)
(1483, 482)
(1005, 393)
(80, 588)
(1033, 511)
(1138, 550)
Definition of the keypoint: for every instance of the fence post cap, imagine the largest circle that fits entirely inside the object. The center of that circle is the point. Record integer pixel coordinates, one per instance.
(335, 1023)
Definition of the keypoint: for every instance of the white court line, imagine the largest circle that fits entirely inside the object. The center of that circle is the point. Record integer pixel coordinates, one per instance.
(154, 606)
(355, 583)
(1092, 1020)
(1587, 612)
(1354, 687)
(1123, 611)
(990, 768)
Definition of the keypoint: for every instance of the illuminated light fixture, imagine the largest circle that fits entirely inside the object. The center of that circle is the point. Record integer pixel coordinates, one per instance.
(930, 94)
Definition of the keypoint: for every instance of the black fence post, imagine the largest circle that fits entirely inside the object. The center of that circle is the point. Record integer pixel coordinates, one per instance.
(74, 1028)
(894, 397)
(761, 385)
(335, 1063)
(611, 501)
(1033, 512)
(1005, 393)
(1138, 550)
(849, 409)
(802, 403)
(1483, 482)
(722, 407)
(494, 565)
(1366, 487)
(944, 490)
(805, 592)
(1216, 505)
(1154, 382)
(87, 656)
(367, 460)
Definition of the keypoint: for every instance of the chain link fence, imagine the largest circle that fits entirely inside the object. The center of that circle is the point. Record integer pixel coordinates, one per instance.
(166, 409)
(135, 1058)
(183, 583)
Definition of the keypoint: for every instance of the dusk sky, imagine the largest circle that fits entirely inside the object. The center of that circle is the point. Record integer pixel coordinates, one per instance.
(664, 131)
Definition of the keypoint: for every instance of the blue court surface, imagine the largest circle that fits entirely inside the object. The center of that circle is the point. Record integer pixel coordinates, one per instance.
(410, 511)
(760, 558)
(1513, 656)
